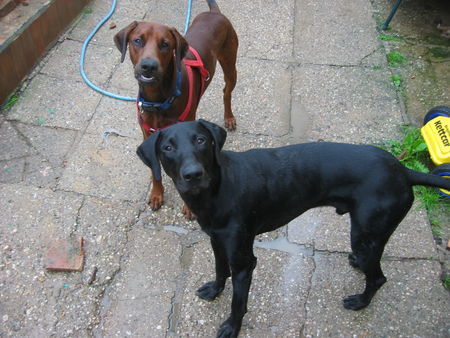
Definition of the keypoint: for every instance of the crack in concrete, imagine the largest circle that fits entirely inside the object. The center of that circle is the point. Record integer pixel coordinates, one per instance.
(103, 303)
(176, 301)
(308, 293)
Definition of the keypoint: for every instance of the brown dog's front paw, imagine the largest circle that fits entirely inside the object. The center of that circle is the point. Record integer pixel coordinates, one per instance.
(230, 123)
(188, 213)
(155, 202)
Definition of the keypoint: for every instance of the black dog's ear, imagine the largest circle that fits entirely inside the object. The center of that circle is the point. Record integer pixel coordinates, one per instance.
(121, 39)
(147, 152)
(181, 48)
(218, 134)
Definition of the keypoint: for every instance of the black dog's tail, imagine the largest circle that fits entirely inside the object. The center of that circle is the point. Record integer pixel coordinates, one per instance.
(213, 7)
(418, 178)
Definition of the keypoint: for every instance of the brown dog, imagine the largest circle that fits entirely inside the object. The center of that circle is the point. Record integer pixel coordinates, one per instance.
(173, 72)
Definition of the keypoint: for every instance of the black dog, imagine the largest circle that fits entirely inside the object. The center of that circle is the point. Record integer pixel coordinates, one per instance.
(237, 196)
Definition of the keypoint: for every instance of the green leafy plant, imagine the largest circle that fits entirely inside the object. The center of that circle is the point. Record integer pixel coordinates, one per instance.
(11, 101)
(436, 228)
(385, 37)
(446, 282)
(396, 80)
(412, 152)
(395, 59)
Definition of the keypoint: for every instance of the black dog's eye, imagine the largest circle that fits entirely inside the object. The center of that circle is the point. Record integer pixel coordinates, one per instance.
(200, 140)
(138, 42)
(168, 148)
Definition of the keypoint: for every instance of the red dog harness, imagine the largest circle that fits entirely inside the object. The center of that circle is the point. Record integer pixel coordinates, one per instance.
(204, 75)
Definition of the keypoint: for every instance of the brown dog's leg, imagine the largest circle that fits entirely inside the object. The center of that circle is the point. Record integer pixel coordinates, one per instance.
(156, 199)
(227, 60)
(188, 213)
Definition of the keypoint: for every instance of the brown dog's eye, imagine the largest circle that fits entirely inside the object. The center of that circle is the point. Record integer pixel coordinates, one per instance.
(164, 45)
(138, 42)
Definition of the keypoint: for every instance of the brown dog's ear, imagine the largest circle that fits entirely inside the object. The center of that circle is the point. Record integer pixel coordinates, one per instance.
(181, 48)
(121, 38)
(148, 153)
(218, 134)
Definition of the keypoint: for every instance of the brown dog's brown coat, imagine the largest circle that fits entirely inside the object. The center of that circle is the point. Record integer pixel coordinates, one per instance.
(156, 50)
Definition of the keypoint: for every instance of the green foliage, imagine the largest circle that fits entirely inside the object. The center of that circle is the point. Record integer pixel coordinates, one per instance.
(446, 282)
(439, 52)
(412, 150)
(385, 37)
(11, 101)
(436, 228)
(413, 153)
(395, 59)
(396, 80)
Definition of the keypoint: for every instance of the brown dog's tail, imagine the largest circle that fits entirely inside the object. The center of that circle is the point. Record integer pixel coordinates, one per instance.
(418, 178)
(213, 7)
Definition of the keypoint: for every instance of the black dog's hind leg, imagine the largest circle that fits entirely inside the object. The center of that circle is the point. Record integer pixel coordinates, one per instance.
(369, 262)
(367, 246)
(209, 291)
(355, 240)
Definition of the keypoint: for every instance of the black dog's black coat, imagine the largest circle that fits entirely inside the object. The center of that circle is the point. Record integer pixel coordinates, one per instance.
(239, 195)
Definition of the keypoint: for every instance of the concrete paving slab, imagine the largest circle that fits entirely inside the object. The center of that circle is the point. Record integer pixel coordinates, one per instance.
(31, 217)
(11, 171)
(64, 63)
(411, 303)
(264, 28)
(51, 146)
(40, 172)
(115, 115)
(104, 227)
(13, 145)
(328, 104)
(95, 11)
(123, 77)
(345, 35)
(324, 230)
(170, 13)
(57, 103)
(107, 169)
(139, 301)
(260, 101)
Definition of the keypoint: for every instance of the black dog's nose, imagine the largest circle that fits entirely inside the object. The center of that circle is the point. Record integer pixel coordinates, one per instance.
(149, 65)
(192, 173)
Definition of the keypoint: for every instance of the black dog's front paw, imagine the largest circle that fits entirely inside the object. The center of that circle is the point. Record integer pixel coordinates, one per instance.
(226, 330)
(209, 291)
(356, 302)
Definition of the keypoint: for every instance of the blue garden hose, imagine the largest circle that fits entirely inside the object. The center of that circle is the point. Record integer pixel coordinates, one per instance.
(91, 35)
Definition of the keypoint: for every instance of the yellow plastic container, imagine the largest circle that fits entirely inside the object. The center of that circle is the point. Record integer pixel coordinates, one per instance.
(436, 134)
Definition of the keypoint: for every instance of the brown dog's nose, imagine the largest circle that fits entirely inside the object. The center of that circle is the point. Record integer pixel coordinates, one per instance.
(149, 66)
(192, 173)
